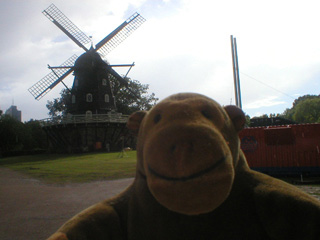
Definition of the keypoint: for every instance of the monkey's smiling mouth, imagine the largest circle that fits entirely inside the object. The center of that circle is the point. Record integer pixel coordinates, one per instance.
(186, 178)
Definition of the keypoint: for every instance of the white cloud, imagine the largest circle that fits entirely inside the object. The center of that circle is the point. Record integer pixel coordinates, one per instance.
(265, 102)
(183, 46)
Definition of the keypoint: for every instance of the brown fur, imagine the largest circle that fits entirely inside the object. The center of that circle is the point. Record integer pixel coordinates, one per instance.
(193, 182)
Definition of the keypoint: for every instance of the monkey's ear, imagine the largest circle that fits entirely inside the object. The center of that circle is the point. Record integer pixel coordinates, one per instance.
(135, 120)
(237, 116)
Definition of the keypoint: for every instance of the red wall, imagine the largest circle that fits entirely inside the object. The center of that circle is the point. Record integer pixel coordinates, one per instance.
(288, 148)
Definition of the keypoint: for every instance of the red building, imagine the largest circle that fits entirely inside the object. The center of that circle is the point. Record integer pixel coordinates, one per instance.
(283, 150)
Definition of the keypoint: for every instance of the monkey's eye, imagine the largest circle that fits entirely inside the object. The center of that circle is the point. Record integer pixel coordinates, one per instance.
(207, 114)
(157, 118)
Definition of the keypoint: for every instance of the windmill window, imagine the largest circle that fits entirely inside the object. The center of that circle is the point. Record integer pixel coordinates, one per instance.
(104, 82)
(88, 114)
(76, 82)
(106, 98)
(89, 97)
(73, 99)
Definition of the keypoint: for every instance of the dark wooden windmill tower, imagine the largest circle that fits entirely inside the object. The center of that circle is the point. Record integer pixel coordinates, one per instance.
(91, 116)
(91, 91)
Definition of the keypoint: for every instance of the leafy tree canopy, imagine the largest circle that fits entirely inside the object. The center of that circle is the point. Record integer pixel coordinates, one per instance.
(12, 134)
(305, 109)
(134, 100)
(18, 136)
(58, 107)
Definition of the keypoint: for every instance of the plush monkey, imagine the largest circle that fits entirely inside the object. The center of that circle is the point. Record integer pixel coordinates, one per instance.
(193, 182)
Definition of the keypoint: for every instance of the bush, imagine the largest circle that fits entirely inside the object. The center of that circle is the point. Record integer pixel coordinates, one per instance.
(19, 138)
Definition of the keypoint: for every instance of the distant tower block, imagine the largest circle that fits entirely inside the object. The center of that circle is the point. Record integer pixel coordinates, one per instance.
(14, 112)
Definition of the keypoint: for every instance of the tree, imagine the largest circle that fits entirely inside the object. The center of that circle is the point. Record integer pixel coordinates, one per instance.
(37, 134)
(12, 134)
(305, 109)
(16, 136)
(135, 99)
(247, 120)
(58, 106)
(305, 97)
(127, 101)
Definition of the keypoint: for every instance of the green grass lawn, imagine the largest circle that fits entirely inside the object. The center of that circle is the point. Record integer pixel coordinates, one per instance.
(60, 168)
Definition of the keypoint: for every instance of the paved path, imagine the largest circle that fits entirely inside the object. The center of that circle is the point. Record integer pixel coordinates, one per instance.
(30, 209)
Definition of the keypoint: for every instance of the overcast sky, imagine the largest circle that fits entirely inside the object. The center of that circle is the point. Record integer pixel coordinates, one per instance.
(184, 46)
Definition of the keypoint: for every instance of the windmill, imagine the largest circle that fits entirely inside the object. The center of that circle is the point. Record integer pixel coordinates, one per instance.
(91, 92)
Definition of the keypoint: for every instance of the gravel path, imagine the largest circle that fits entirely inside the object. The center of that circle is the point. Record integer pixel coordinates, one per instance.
(30, 209)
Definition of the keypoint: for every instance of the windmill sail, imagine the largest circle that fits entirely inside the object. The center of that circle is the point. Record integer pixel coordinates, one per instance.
(119, 34)
(65, 25)
(117, 76)
(42, 87)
